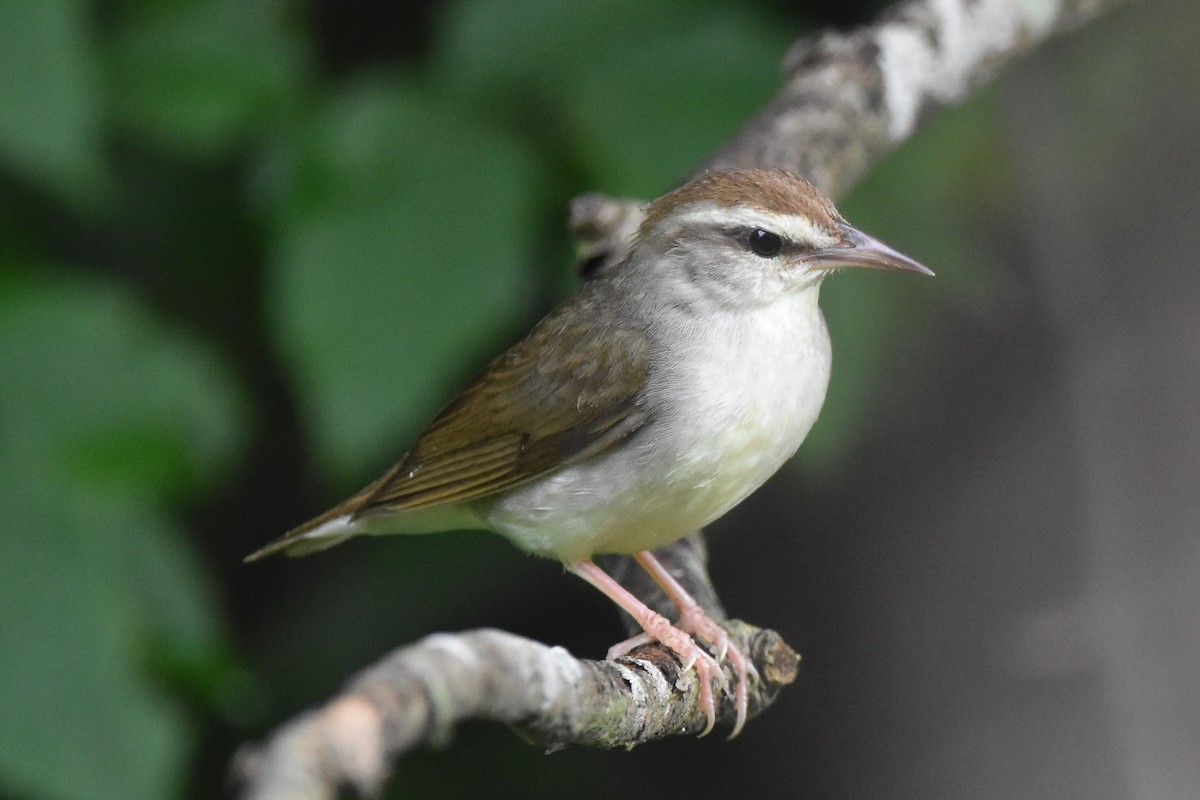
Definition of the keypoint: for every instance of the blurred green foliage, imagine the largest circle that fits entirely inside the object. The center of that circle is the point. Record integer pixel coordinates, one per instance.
(108, 414)
(51, 125)
(210, 234)
(358, 251)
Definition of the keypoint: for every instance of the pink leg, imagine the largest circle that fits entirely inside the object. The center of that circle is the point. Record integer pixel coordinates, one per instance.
(693, 620)
(659, 629)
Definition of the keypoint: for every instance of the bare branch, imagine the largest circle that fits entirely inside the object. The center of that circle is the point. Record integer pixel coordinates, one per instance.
(847, 100)
(420, 692)
(850, 98)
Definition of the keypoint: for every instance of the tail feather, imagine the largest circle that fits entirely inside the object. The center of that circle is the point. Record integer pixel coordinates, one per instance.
(359, 515)
(333, 527)
(313, 536)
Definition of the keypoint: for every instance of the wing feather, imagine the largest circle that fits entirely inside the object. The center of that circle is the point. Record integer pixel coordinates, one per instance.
(564, 393)
(538, 407)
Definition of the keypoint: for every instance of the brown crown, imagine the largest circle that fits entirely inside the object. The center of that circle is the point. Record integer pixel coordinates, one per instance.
(776, 191)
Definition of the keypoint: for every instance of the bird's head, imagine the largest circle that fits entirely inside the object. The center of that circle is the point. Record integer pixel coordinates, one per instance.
(744, 237)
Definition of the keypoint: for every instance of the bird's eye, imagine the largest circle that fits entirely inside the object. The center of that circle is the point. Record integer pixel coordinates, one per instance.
(765, 243)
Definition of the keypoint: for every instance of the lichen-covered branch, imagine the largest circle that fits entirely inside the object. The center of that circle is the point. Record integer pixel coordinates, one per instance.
(420, 692)
(847, 100)
(850, 98)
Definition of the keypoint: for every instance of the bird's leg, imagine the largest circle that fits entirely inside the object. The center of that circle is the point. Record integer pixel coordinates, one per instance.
(694, 620)
(658, 629)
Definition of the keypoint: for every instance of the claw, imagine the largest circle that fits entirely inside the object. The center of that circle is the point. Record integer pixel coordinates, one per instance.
(722, 647)
(744, 668)
(706, 702)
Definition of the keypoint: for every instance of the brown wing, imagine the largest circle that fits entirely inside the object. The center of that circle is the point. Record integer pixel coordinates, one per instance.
(561, 394)
(545, 403)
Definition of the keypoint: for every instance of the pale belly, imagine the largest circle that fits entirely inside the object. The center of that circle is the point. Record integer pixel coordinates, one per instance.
(720, 430)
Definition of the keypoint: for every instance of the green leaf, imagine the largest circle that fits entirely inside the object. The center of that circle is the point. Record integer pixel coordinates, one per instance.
(95, 577)
(402, 251)
(201, 75)
(50, 130)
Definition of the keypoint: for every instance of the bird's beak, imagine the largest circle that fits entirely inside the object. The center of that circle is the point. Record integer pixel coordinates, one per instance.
(860, 250)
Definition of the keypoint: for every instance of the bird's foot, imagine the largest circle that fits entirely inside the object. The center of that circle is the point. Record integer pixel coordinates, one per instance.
(659, 629)
(695, 621)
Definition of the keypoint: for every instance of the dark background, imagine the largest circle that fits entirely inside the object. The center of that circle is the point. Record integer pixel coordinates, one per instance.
(248, 248)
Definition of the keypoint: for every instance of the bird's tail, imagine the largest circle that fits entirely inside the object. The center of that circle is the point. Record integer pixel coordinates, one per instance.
(333, 527)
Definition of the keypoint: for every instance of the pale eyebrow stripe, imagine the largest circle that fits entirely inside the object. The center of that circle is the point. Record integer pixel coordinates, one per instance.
(790, 226)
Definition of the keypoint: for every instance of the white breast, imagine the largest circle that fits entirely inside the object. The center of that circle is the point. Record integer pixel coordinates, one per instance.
(732, 398)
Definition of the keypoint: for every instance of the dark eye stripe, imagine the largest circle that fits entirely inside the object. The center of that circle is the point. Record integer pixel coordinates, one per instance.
(765, 243)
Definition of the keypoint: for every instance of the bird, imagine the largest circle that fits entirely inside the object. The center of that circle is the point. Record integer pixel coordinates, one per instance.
(653, 400)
